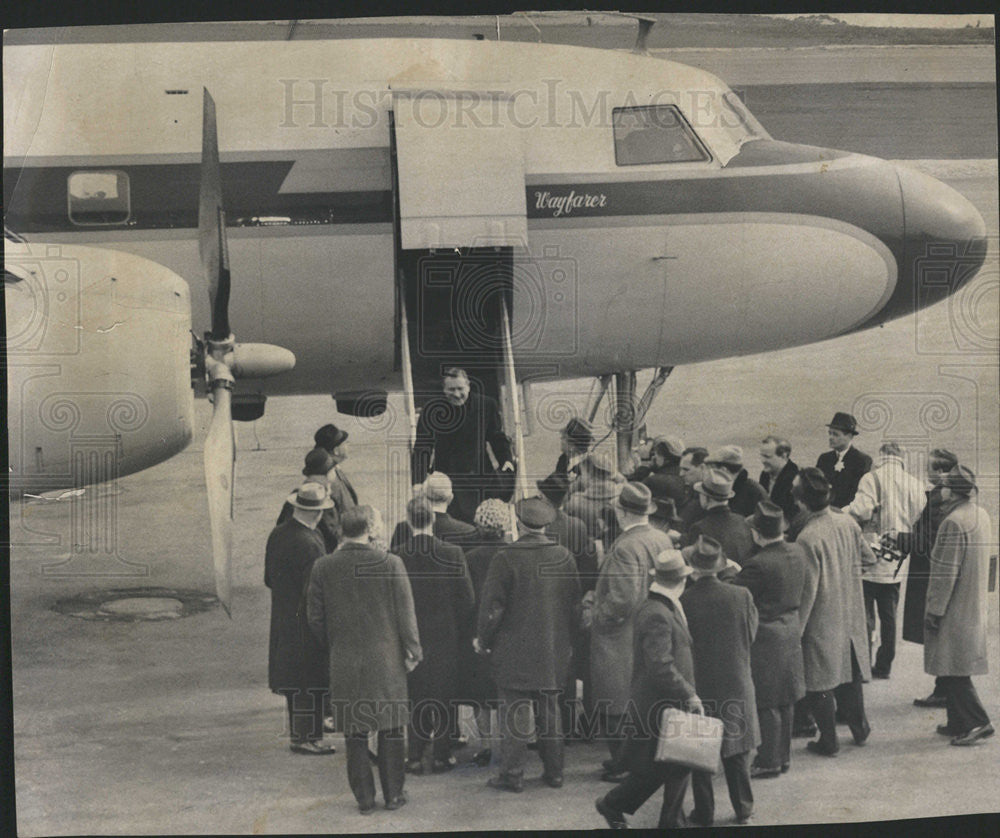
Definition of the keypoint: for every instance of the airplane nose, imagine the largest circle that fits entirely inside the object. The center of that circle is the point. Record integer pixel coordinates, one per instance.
(941, 228)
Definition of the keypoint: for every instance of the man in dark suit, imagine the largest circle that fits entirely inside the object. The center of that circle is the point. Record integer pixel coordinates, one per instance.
(775, 576)
(719, 521)
(747, 493)
(437, 490)
(571, 533)
(296, 661)
(663, 475)
(692, 470)
(443, 601)
(452, 434)
(778, 473)
(529, 613)
(843, 465)
(662, 676)
(722, 620)
(360, 603)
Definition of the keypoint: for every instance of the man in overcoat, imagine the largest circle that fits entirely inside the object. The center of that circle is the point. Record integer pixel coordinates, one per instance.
(593, 497)
(775, 576)
(452, 434)
(663, 676)
(778, 472)
(918, 544)
(360, 603)
(571, 533)
(296, 665)
(719, 521)
(443, 600)
(529, 613)
(955, 639)
(438, 491)
(722, 620)
(621, 589)
(316, 470)
(832, 612)
(747, 492)
(843, 465)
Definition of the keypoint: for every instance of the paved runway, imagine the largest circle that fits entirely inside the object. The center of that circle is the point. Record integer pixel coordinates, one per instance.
(168, 727)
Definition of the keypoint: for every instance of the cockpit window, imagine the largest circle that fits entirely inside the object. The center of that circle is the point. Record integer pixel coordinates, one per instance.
(99, 198)
(655, 134)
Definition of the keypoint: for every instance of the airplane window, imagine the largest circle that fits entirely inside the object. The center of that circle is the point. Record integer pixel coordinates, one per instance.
(656, 134)
(99, 198)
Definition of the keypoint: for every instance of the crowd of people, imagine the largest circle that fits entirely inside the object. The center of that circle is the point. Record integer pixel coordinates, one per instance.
(684, 583)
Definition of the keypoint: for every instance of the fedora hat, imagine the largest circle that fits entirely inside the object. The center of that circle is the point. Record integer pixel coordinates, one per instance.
(318, 461)
(668, 445)
(768, 519)
(601, 461)
(717, 485)
(437, 487)
(311, 496)
(329, 437)
(844, 422)
(580, 433)
(705, 555)
(730, 455)
(670, 565)
(960, 480)
(535, 512)
(636, 498)
(555, 487)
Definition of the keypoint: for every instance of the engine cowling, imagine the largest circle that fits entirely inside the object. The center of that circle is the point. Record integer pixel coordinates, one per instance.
(98, 365)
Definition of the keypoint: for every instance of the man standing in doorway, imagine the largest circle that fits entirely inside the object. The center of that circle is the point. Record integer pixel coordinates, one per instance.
(452, 434)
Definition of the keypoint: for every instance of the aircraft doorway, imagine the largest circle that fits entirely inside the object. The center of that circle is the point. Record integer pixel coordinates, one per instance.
(452, 303)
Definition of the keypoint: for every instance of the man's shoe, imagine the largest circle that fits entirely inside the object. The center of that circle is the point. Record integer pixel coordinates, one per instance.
(861, 734)
(933, 700)
(397, 802)
(699, 820)
(314, 748)
(502, 783)
(439, 766)
(366, 809)
(614, 818)
(743, 820)
(974, 736)
(945, 730)
(482, 758)
(785, 766)
(882, 676)
(822, 750)
(805, 732)
(609, 764)
(553, 782)
(759, 772)
(614, 776)
(414, 766)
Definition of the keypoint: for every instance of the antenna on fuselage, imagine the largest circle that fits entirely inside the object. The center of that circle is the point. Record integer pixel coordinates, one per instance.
(645, 24)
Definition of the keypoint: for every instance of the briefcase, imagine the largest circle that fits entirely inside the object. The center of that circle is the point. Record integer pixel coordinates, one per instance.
(690, 739)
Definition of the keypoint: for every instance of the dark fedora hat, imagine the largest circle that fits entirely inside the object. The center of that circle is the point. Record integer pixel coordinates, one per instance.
(555, 487)
(318, 461)
(329, 437)
(705, 555)
(535, 512)
(636, 498)
(844, 422)
(768, 519)
(580, 432)
(960, 480)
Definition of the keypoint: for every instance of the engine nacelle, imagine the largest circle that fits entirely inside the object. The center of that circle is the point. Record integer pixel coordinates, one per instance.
(98, 365)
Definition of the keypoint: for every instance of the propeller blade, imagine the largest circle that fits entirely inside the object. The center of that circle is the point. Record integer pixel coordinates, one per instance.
(220, 463)
(212, 222)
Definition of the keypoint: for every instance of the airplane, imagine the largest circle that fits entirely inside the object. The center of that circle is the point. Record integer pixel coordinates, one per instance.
(365, 212)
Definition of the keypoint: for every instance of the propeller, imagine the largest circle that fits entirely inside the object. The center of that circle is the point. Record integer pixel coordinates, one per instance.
(220, 359)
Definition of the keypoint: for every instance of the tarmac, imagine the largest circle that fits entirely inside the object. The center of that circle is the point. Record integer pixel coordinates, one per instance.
(167, 726)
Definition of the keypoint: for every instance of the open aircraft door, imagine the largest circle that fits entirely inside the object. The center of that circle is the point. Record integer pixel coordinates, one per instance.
(460, 210)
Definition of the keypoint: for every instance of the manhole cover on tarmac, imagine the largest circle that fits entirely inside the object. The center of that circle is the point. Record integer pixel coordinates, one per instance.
(131, 605)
